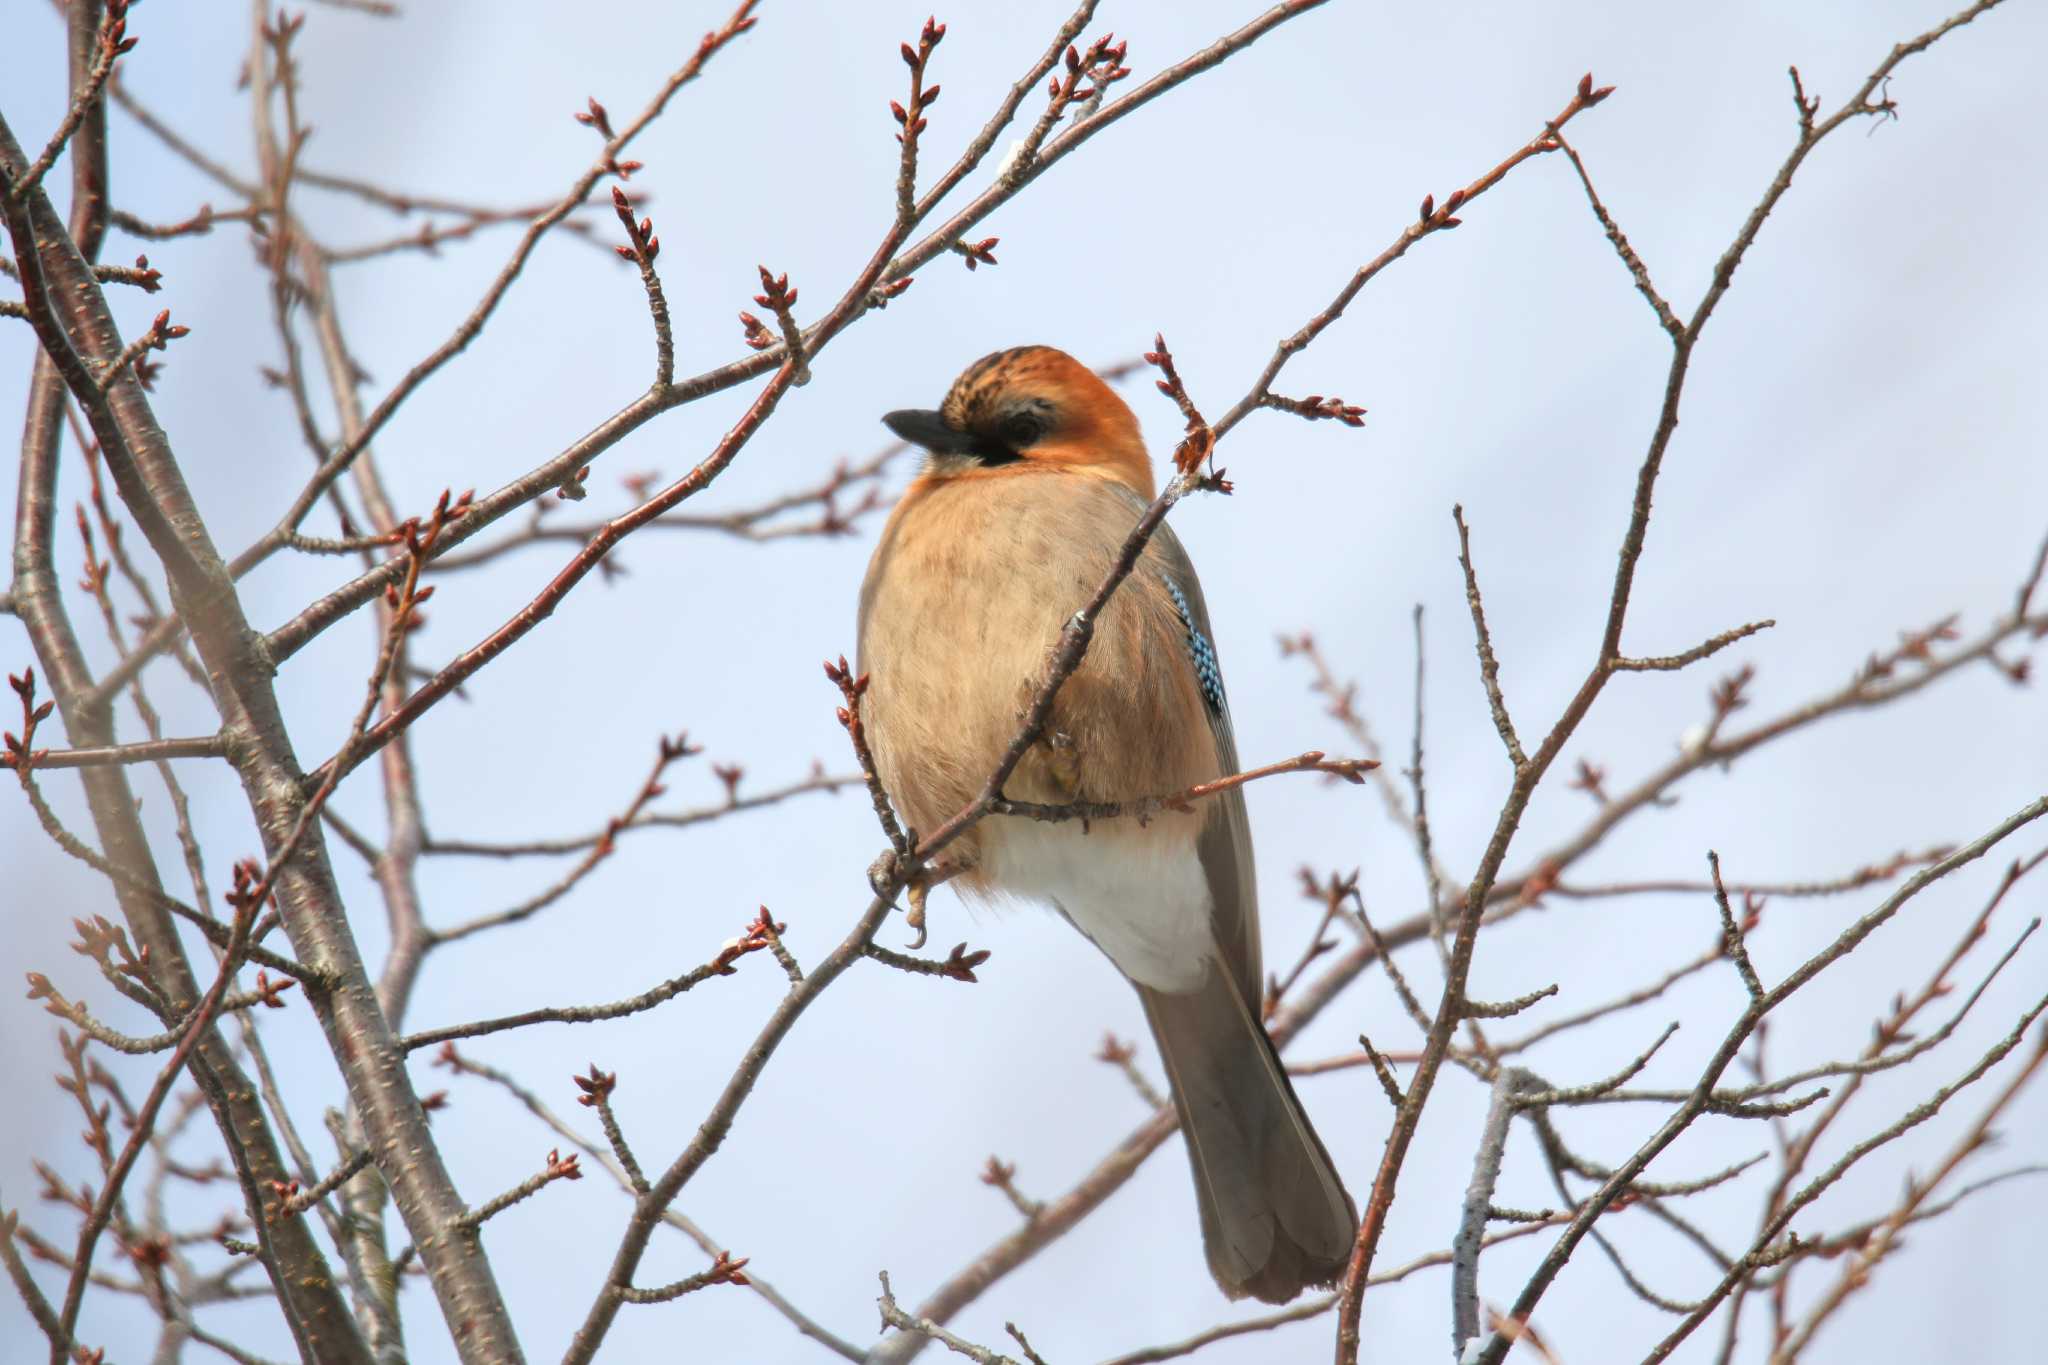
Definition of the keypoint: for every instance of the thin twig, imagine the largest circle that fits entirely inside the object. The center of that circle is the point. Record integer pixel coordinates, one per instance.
(142, 751)
(112, 43)
(1732, 942)
(1489, 666)
(1638, 272)
(720, 965)
(894, 1316)
(1144, 808)
(328, 1184)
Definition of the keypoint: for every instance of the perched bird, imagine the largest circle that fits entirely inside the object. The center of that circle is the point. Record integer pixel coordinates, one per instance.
(1035, 475)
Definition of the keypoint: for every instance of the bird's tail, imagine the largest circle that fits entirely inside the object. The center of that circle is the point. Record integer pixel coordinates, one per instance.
(1275, 1218)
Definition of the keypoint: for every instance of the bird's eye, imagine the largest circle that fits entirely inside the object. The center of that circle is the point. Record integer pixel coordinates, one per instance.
(1021, 429)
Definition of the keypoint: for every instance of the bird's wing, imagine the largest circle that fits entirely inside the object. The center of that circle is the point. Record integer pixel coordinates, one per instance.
(1225, 845)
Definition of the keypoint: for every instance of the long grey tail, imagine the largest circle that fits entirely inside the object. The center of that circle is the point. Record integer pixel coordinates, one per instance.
(1275, 1218)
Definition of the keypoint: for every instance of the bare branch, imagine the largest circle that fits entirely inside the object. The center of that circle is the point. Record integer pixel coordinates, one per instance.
(894, 1316)
(145, 1119)
(1143, 809)
(146, 751)
(1724, 1054)
(1731, 933)
(642, 251)
(818, 781)
(609, 1162)
(113, 43)
(558, 1167)
(1489, 667)
(1669, 663)
(723, 1270)
(887, 267)
(1124, 1057)
(346, 1171)
(668, 752)
(1323, 1303)
(1530, 773)
(1486, 1162)
(1431, 219)
(959, 965)
(1760, 1252)
(1507, 1009)
(1638, 272)
(755, 938)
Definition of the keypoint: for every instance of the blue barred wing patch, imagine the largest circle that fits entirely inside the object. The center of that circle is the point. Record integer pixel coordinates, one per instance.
(1202, 654)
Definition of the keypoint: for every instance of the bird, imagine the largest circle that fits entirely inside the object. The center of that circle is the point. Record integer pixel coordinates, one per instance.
(1034, 474)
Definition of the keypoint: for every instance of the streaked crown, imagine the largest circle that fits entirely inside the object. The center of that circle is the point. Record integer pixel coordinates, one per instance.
(1028, 408)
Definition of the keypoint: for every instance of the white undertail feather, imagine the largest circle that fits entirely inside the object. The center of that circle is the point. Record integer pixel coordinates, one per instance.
(1143, 901)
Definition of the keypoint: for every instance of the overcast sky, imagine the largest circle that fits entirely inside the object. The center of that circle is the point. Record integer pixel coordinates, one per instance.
(1859, 455)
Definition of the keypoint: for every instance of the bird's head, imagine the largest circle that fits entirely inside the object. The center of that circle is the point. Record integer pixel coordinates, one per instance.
(1033, 407)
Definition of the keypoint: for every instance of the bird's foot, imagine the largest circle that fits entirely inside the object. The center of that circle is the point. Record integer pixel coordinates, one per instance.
(888, 873)
(1063, 761)
(882, 873)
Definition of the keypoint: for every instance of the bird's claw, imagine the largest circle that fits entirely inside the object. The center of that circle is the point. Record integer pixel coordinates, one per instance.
(917, 891)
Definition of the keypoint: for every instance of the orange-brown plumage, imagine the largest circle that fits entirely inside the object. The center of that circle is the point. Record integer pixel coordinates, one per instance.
(1097, 433)
(1036, 474)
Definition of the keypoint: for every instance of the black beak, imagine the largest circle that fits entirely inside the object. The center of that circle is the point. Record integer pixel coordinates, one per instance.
(928, 429)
